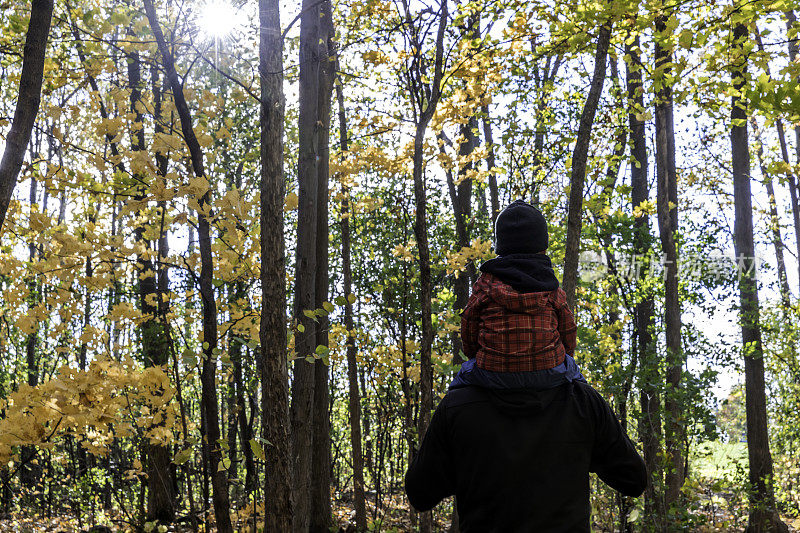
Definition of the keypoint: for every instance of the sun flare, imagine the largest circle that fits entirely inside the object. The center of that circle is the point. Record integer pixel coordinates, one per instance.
(217, 19)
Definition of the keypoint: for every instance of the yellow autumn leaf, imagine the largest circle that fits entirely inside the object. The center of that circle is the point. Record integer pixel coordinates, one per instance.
(291, 202)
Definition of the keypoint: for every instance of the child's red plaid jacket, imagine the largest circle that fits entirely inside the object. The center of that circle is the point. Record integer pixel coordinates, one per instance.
(510, 331)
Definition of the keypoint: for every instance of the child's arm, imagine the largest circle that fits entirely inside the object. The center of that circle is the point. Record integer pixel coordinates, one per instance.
(567, 328)
(470, 320)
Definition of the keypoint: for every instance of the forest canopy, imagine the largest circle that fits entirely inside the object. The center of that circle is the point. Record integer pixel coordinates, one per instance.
(236, 239)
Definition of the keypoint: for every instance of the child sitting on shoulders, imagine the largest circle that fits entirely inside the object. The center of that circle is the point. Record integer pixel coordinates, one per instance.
(517, 330)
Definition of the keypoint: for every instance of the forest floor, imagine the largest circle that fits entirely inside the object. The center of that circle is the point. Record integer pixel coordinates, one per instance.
(715, 503)
(392, 517)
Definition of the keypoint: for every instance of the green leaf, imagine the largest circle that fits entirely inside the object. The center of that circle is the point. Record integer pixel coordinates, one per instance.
(351, 298)
(322, 349)
(258, 451)
(328, 307)
(340, 300)
(182, 456)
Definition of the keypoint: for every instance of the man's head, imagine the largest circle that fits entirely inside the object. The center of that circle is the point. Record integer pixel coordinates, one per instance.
(520, 229)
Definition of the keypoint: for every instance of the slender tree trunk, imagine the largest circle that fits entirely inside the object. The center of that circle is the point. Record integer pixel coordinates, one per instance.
(240, 421)
(606, 237)
(461, 200)
(424, 99)
(544, 78)
(321, 453)
(274, 373)
(160, 493)
(461, 196)
(426, 108)
(775, 224)
(650, 421)
(666, 203)
(30, 88)
(579, 157)
(791, 22)
(777, 240)
(162, 164)
(353, 394)
(302, 408)
(405, 381)
(209, 400)
(491, 164)
(29, 472)
(763, 515)
(83, 459)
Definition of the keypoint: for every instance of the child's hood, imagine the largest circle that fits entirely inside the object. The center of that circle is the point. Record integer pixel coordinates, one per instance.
(520, 282)
(519, 302)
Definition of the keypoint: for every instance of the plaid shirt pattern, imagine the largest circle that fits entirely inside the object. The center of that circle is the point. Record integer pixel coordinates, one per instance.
(509, 331)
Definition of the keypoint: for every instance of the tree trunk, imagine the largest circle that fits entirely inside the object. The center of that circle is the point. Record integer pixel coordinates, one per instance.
(30, 88)
(543, 78)
(421, 233)
(209, 400)
(791, 21)
(461, 200)
(491, 164)
(321, 452)
(30, 472)
(606, 238)
(274, 373)
(666, 204)
(160, 493)
(302, 408)
(162, 164)
(425, 98)
(354, 396)
(775, 225)
(763, 515)
(579, 157)
(644, 323)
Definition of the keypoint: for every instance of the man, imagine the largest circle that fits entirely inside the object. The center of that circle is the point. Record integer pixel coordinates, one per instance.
(520, 429)
(519, 460)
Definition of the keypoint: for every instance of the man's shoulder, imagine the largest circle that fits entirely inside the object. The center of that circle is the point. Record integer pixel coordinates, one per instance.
(579, 391)
(464, 395)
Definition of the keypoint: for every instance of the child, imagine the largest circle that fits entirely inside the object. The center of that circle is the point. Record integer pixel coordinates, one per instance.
(517, 330)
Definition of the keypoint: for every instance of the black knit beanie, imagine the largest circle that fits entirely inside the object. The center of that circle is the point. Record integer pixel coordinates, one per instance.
(520, 229)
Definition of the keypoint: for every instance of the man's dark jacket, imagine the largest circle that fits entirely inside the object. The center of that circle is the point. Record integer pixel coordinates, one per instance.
(519, 460)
